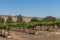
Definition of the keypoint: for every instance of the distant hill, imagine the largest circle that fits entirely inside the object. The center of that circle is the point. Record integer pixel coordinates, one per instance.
(25, 18)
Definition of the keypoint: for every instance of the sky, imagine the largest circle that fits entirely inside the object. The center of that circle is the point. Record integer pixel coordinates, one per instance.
(31, 8)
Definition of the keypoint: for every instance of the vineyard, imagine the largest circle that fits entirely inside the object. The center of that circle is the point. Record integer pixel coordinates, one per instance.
(29, 28)
(8, 26)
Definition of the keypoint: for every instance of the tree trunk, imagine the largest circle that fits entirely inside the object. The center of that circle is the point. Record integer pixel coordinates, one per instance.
(0, 31)
(54, 27)
(19, 29)
(23, 29)
(4, 32)
(48, 27)
(40, 28)
(9, 32)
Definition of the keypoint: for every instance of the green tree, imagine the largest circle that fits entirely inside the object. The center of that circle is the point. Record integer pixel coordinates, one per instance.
(49, 18)
(57, 22)
(34, 20)
(1, 20)
(9, 20)
(19, 18)
(5, 27)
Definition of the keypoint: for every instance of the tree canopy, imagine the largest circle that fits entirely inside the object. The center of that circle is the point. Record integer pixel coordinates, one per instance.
(9, 20)
(19, 18)
(1, 20)
(49, 18)
(34, 20)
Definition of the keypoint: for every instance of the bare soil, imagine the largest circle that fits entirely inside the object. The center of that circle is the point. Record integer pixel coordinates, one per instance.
(42, 35)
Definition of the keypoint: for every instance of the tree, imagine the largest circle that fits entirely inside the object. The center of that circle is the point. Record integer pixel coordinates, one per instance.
(1, 20)
(34, 20)
(19, 18)
(5, 27)
(49, 18)
(57, 22)
(9, 20)
(20, 22)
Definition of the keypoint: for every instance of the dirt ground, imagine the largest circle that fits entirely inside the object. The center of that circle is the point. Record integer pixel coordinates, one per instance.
(42, 35)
